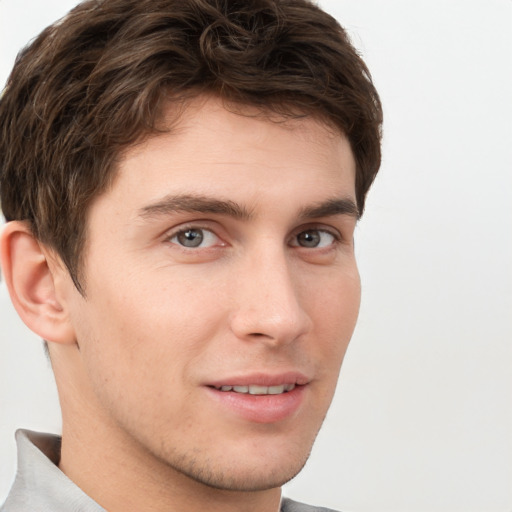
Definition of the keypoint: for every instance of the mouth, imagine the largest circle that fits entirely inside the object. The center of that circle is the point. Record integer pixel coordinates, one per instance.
(261, 397)
(254, 389)
(259, 403)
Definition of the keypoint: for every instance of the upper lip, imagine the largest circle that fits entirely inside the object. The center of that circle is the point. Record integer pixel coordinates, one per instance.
(262, 379)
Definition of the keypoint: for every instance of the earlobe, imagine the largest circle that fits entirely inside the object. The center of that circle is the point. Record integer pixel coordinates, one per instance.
(31, 284)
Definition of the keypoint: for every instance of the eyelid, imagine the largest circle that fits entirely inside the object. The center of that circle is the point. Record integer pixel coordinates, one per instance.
(199, 225)
(335, 233)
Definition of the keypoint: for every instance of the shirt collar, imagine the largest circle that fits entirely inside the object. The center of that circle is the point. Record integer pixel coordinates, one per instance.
(39, 483)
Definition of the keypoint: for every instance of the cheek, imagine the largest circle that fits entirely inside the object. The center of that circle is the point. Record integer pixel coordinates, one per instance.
(336, 299)
(335, 309)
(149, 330)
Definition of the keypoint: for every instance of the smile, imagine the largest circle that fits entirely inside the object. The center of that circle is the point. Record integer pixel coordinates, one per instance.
(258, 390)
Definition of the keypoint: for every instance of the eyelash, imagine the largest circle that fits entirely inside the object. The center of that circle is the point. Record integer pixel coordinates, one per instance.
(337, 238)
(191, 227)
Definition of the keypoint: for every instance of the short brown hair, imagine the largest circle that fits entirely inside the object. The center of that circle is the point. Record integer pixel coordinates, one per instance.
(94, 83)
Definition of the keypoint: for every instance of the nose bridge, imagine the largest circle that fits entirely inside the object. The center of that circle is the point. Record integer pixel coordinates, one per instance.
(268, 305)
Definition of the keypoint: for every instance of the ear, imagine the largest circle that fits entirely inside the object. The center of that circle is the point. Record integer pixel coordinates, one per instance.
(30, 279)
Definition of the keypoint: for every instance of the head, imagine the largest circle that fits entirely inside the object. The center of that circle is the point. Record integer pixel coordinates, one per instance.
(96, 83)
(148, 147)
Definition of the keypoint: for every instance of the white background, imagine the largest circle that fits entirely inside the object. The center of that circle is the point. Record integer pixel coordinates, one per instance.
(423, 416)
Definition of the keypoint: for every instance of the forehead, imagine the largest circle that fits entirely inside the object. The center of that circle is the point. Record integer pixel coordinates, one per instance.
(211, 148)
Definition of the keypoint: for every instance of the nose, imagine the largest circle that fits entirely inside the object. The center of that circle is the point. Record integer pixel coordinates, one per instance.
(268, 303)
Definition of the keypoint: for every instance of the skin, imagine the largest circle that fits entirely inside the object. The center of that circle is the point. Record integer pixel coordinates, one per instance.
(271, 292)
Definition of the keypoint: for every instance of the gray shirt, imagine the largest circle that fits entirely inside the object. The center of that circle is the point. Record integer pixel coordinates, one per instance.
(40, 486)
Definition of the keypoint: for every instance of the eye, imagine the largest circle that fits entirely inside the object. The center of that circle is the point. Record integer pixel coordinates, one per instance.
(313, 239)
(192, 238)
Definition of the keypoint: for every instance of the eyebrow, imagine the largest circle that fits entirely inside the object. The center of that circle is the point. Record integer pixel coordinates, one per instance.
(195, 204)
(204, 204)
(331, 207)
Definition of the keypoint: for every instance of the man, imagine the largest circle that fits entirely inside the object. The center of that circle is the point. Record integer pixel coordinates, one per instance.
(181, 181)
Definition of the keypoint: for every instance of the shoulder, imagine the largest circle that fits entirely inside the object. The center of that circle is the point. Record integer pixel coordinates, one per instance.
(288, 505)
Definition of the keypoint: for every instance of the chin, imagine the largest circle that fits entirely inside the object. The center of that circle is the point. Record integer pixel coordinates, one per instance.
(242, 477)
(250, 466)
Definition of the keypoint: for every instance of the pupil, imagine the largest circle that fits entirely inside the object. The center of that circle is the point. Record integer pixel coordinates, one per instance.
(191, 238)
(309, 238)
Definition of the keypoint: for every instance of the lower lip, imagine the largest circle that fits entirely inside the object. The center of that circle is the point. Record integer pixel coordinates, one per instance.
(261, 408)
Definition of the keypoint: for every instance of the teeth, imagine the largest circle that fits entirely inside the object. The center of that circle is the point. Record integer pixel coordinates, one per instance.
(259, 390)
(276, 390)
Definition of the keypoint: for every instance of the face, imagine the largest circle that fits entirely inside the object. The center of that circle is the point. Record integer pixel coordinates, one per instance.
(221, 293)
